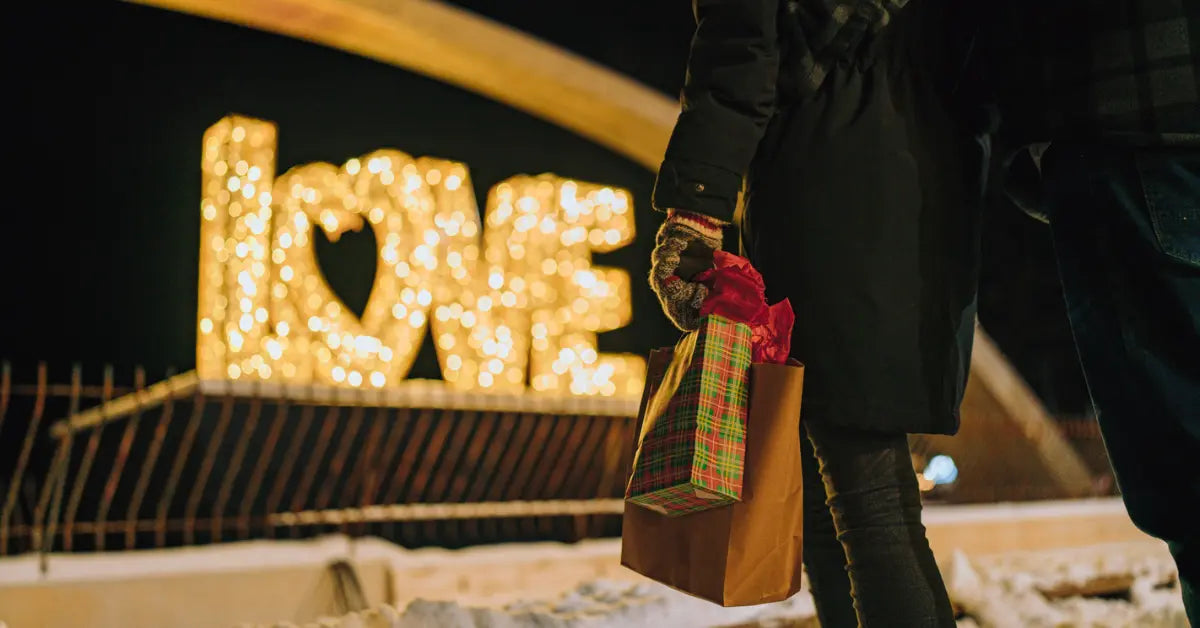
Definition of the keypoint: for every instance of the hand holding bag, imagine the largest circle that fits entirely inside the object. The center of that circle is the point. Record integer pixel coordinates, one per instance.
(747, 551)
(691, 444)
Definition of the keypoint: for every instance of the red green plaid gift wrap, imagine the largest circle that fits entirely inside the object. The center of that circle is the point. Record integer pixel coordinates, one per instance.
(692, 447)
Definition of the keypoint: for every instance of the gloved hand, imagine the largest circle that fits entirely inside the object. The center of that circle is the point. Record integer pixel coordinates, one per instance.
(683, 247)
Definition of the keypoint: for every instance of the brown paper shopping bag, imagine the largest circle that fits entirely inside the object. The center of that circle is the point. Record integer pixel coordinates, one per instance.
(748, 552)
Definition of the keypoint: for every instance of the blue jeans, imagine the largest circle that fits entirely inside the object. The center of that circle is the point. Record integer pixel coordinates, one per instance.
(1126, 229)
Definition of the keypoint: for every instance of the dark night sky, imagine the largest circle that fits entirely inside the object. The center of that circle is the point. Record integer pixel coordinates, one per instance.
(100, 225)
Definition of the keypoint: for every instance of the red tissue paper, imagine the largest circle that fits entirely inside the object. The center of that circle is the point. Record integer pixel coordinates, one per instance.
(736, 291)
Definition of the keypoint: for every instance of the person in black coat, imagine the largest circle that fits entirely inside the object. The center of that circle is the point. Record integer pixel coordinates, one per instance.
(1100, 115)
(842, 126)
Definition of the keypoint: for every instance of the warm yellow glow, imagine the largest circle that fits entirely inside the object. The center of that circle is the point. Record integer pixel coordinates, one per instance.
(519, 296)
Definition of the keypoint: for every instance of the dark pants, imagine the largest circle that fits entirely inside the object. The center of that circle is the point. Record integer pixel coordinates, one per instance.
(1126, 225)
(865, 552)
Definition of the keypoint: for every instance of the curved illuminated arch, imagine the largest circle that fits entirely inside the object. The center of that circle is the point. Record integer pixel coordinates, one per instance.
(476, 54)
(484, 57)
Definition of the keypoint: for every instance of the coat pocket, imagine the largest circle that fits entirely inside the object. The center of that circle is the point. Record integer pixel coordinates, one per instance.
(1171, 184)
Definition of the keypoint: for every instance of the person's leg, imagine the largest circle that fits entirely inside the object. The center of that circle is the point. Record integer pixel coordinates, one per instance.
(876, 506)
(824, 557)
(1126, 228)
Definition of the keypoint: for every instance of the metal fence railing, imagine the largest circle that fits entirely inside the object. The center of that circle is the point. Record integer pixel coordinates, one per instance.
(108, 464)
(186, 462)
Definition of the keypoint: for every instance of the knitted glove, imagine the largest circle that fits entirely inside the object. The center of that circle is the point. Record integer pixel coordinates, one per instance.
(683, 247)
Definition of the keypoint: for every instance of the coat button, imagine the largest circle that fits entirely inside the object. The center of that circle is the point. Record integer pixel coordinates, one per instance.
(699, 187)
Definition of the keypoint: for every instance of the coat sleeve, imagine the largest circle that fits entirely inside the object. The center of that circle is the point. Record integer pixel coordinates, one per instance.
(728, 98)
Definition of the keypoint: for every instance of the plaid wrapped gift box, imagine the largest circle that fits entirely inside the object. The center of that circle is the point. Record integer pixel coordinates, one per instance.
(692, 444)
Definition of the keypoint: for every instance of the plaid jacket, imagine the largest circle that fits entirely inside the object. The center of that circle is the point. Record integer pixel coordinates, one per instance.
(1122, 70)
(746, 55)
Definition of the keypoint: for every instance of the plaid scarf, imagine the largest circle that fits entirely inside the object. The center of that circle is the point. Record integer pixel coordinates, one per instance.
(818, 34)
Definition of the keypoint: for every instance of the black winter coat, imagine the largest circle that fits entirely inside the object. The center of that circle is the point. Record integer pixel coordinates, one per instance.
(861, 163)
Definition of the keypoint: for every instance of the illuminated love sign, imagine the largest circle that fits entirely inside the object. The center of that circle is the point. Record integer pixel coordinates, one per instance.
(513, 301)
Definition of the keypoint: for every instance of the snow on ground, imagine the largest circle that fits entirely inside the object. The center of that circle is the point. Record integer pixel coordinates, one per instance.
(602, 604)
(1036, 589)
(1009, 590)
(556, 585)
